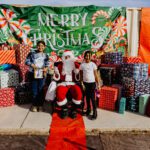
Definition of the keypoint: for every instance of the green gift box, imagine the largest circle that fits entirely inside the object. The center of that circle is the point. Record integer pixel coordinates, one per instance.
(143, 99)
(122, 105)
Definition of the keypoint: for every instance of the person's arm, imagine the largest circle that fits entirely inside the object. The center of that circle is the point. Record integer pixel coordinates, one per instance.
(46, 65)
(81, 78)
(98, 79)
(29, 61)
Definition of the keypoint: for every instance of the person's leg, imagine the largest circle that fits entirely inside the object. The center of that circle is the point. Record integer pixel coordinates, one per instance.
(41, 83)
(35, 95)
(61, 92)
(92, 97)
(87, 93)
(76, 94)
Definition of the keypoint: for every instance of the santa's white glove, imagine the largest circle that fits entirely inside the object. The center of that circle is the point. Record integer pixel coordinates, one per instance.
(76, 71)
(56, 71)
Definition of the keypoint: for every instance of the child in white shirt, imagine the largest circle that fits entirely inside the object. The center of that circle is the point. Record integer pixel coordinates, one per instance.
(89, 78)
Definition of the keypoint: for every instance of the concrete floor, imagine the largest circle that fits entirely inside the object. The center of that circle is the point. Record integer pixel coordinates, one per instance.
(19, 119)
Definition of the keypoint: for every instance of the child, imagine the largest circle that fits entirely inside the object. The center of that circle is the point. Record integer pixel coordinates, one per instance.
(89, 76)
(38, 62)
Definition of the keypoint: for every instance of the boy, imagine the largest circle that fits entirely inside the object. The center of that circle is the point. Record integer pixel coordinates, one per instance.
(38, 62)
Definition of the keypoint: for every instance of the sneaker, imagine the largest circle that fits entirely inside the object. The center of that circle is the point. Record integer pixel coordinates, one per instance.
(40, 109)
(88, 112)
(94, 116)
(34, 109)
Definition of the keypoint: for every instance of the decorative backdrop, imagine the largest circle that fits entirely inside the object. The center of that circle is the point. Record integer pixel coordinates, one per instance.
(79, 28)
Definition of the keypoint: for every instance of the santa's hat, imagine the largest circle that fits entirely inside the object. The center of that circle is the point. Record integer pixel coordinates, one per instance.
(68, 53)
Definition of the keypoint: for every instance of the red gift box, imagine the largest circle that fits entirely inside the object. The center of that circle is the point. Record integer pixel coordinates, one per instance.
(21, 52)
(132, 59)
(7, 57)
(108, 98)
(7, 97)
(24, 74)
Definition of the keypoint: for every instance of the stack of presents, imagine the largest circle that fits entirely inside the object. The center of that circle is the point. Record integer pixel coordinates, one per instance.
(15, 84)
(126, 83)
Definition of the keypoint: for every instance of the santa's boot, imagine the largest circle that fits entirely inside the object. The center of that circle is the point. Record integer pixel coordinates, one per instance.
(74, 108)
(64, 112)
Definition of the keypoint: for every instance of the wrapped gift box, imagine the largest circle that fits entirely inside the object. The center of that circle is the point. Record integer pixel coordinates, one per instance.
(142, 86)
(122, 105)
(132, 103)
(9, 78)
(132, 87)
(128, 86)
(23, 93)
(120, 90)
(24, 87)
(131, 70)
(132, 59)
(144, 71)
(135, 71)
(143, 99)
(24, 74)
(108, 97)
(7, 97)
(113, 58)
(21, 52)
(108, 75)
(116, 68)
(7, 57)
(147, 112)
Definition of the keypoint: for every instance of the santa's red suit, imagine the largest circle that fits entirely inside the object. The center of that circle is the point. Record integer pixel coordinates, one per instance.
(67, 72)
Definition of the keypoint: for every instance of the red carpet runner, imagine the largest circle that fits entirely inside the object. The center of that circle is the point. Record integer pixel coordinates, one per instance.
(67, 134)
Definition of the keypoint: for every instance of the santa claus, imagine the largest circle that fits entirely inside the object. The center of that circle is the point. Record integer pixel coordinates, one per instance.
(66, 73)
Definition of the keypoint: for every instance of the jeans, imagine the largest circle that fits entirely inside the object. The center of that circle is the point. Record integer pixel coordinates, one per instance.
(38, 91)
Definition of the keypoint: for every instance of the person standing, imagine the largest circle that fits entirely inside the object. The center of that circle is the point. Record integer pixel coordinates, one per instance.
(89, 78)
(38, 63)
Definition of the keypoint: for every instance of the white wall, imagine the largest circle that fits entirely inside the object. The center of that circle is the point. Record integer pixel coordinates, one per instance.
(133, 29)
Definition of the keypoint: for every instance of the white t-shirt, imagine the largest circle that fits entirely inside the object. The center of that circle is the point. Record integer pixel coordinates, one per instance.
(88, 71)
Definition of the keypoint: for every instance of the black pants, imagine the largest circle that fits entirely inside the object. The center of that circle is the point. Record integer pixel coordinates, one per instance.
(90, 94)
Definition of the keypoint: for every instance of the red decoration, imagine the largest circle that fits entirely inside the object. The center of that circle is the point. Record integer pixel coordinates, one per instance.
(108, 97)
(7, 97)
(132, 60)
(21, 52)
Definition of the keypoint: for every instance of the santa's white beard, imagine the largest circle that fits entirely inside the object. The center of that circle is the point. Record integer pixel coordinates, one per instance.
(68, 66)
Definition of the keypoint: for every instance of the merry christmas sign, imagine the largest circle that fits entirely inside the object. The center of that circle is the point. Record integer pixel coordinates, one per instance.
(75, 28)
